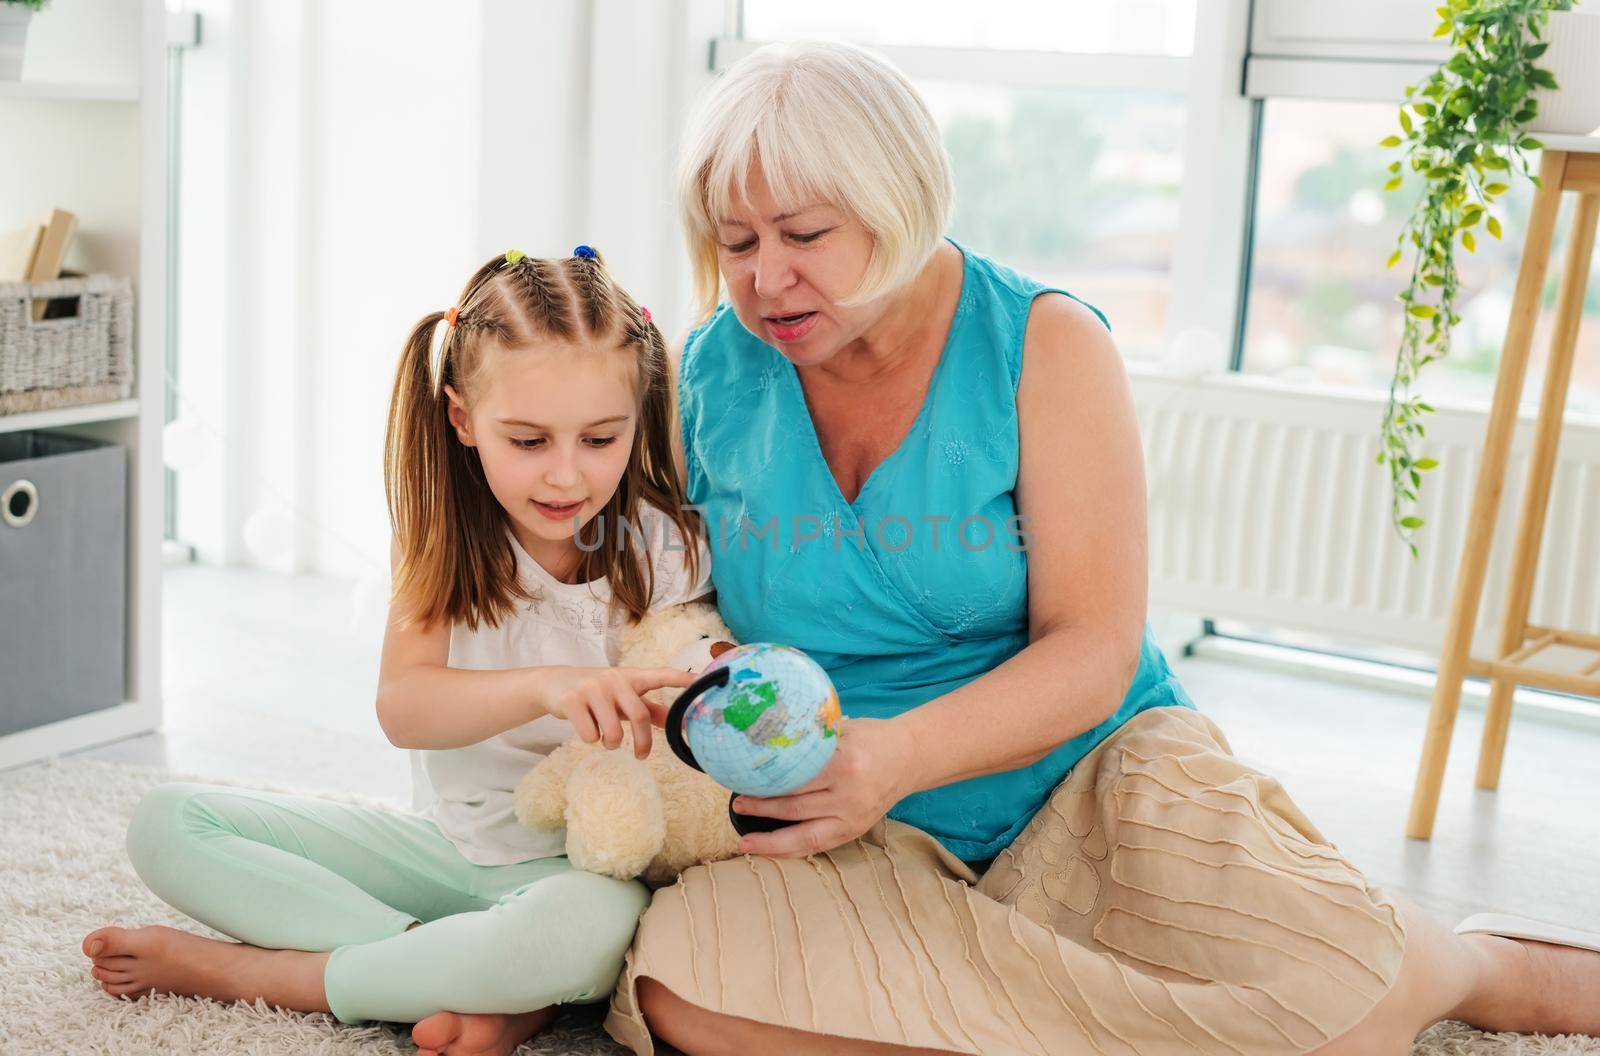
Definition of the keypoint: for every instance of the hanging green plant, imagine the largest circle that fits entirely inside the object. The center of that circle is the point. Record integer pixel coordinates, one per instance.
(1463, 137)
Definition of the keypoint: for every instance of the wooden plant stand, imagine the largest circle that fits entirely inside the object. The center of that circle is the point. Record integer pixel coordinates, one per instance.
(1569, 163)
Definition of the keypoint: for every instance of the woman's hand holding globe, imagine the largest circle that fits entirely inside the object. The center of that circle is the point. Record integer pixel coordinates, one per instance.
(764, 720)
(869, 773)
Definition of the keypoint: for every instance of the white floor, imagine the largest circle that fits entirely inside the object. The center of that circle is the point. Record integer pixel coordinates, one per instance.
(271, 679)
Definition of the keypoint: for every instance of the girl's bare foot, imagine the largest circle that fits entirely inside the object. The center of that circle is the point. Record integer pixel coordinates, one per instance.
(164, 960)
(475, 1034)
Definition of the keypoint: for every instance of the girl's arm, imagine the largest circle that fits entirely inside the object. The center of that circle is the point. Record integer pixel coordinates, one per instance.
(422, 703)
(1080, 491)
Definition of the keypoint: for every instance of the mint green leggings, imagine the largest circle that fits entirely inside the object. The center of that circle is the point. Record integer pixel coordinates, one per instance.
(292, 872)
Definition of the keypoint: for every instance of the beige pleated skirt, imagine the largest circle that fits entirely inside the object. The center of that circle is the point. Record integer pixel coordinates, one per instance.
(1167, 899)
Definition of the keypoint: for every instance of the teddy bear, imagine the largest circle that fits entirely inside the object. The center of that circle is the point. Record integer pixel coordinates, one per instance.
(627, 817)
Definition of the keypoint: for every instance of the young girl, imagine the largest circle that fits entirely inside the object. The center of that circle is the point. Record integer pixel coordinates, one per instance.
(535, 507)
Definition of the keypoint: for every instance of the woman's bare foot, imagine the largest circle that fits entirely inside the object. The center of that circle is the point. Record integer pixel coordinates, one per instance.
(130, 962)
(475, 1034)
(1534, 987)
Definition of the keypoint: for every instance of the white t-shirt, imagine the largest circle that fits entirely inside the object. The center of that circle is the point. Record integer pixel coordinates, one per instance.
(468, 792)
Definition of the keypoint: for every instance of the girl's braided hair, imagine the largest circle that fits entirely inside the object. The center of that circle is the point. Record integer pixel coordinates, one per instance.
(456, 561)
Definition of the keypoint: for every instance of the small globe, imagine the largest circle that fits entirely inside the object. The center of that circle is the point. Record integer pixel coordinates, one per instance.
(772, 728)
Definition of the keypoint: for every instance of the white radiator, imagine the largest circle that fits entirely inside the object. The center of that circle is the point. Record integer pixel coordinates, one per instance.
(1267, 505)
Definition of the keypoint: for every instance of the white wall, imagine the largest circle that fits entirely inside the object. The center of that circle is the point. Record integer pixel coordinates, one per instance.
(534, 100)
(652, 57)
(346, 166)
(331, 195)
(394, 210)
(83, 41)
(583, 106)
(90, 42)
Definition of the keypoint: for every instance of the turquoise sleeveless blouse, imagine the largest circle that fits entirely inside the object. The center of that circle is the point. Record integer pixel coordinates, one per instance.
(919, 585)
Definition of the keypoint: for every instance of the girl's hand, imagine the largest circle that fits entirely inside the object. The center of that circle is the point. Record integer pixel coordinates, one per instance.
(598, 700)
(872, 769)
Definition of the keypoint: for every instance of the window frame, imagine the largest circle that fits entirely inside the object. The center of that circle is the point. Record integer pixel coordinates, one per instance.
(1208, 83)
(1010, 67)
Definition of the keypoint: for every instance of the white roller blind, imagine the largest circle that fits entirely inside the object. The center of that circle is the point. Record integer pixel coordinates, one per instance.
(1354, 49)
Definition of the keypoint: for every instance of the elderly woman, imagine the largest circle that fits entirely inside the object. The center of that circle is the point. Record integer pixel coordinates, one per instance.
(924, 469)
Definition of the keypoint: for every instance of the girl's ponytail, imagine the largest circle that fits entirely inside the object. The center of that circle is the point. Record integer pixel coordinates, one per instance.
(440, 506)
(655, 469)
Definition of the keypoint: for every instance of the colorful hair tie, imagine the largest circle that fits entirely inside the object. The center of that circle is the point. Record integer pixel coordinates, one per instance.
(646, 311)
(452, 315)
(514, 255)
(586, 252)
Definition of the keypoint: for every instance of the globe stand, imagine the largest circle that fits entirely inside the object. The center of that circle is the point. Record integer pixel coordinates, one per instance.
(717, 676)
(743, 824)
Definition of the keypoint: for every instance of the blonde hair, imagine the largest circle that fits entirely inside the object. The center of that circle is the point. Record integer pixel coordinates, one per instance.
(456, 559)
(823, 121)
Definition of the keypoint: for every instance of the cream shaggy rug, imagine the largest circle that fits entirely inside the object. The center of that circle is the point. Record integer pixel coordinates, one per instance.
(63, 873)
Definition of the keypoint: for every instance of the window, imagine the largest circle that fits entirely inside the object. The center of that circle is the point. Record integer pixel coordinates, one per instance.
(1321, 308)
(1075, 189)
(1129, 27)
(1064, 170)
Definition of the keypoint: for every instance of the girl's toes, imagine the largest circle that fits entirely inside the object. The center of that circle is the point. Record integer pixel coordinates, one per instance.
(436, 1032)
(96, 942)
(125, 989)
(110, 975)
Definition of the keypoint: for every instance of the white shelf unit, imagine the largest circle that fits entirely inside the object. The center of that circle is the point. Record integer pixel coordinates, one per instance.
(76, 91)
(62, 417)
(85, 130)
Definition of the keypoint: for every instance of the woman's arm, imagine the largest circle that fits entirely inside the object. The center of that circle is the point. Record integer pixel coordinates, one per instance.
(1080, 492)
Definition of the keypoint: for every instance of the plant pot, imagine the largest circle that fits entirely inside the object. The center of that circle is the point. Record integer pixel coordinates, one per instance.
(13, 38)
(1573, 107)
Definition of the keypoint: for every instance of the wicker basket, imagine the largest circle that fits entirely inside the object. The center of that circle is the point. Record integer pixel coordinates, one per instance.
(84, 358)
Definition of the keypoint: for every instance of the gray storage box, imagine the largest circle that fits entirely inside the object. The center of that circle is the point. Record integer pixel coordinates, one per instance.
(63, 578)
